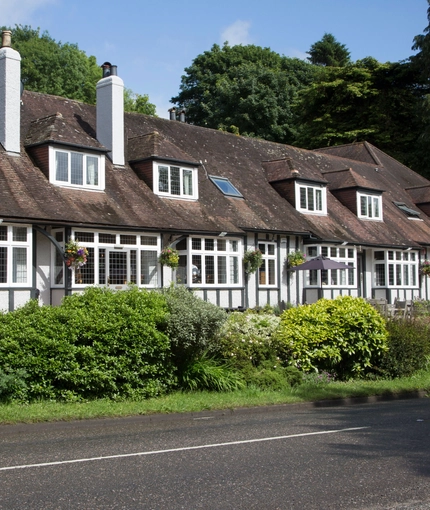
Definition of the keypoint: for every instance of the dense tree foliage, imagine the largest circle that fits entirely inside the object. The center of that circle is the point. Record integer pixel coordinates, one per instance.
(366, 100)
(329, 52)
(244, 89)
(51, 67)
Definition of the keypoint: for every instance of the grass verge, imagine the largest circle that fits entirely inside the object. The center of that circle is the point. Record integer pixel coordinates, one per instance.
(181, 402)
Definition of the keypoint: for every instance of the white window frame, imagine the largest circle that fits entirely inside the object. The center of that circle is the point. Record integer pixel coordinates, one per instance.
(9, 247)
(182, 171)
(100, 158)
(268, 270)
(315, 197)
(98, 252)
(195, 270)
(332, 278)
(396, 269)
(373, 204)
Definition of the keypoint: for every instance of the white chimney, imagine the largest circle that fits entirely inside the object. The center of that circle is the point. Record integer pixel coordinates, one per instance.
(110, 113)
(10, 95)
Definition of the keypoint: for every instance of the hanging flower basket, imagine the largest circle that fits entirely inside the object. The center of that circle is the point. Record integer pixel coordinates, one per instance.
(75, 254)
(252, 260)
(169, 257)
(295, 258)
(425, 268)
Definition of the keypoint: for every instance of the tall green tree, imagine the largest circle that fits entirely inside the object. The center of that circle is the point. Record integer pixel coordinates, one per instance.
(422, 44)
(364, 101)
(329, 52)
(51, 67)
(244, 89)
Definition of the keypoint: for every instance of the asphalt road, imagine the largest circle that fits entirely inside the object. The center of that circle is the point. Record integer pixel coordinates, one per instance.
(366, 456)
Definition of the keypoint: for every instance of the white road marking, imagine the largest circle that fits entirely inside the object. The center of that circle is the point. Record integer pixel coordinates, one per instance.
(183, 449)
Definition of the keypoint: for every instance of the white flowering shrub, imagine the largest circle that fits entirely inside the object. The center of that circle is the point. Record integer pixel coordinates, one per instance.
(247, 338)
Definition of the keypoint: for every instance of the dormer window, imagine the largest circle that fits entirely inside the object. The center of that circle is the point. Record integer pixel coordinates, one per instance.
(175, 181)
(76, 169)
(311, 198)
(369, 206)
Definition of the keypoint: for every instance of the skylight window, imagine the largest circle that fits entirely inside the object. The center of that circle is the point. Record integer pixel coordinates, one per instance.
(225, 186)
(411, 213)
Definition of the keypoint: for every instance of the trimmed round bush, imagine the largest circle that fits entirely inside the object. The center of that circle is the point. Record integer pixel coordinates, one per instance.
(345, 336)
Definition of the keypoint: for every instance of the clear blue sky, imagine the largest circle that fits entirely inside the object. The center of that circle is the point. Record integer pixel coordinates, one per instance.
(152, 42)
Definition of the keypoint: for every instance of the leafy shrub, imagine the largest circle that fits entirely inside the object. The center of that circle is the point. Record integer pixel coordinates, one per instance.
(13, 385)
(317, 378)
(248, 337)
(270, 376)
(97, 344)
(206, 373)
(345, 336)
(409, 347)
(192, 324)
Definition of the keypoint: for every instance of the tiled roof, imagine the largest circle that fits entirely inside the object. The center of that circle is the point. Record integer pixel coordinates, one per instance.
(249, 163)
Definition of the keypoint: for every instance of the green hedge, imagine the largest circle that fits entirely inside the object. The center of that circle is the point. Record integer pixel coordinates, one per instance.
(98, 344)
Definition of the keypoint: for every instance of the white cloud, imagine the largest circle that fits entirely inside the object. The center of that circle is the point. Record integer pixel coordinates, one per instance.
(237, 33)
(18, 12)
(294, 53)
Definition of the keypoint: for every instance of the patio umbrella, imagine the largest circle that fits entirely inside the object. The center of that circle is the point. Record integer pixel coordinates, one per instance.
(320, 263)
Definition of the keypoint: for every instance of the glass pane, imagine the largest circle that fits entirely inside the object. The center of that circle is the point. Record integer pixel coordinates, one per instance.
(86, 273)
(262, 248)
(311, 199)
(209, 269)
(3, 265)
(58, 268)
(271, 249)
(369, 207)
(390, 274)
(188, 182)
(181, 270)
(342, 253)
(324, 251)
(19, 265)
(405, 275)
(175, 181)
(271, 270)
(196, 269)
(19, 234)
(76, 168)
(318, 200)
(127, 239)
(333, 274)
(302, 198)
(312, 251)
(376, 206)
(163, 179)
(398, 274)
(234, 246)
(92, 171)
(149, 268)
(84, 237)
(117, 268)
(363, 206)
(102, 265)
(413, 275)
(222, 269)
(209, 245)
(133, 266)
(313, 277)
(107, 238)
(196, 244)
(148, 240)
(61, 166)
(221, 245)
(380, 275)
(333, 252)
(234, 269)
(3, 233)
(262, 274)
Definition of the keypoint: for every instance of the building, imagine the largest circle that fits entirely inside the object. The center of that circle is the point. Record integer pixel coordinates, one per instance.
(127, 185)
